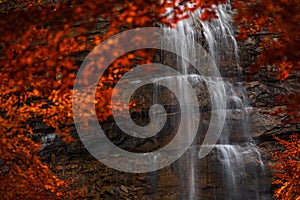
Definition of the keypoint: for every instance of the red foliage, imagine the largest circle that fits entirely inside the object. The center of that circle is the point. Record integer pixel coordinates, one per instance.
(280, 20)
(38, 44)
(287, 169)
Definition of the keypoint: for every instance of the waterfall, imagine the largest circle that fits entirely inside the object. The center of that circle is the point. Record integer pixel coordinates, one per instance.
(235, 159)
(193, 97)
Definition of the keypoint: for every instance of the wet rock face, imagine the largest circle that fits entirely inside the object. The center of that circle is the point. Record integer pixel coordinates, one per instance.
(262, 89)
(73, 161)
(172, 182)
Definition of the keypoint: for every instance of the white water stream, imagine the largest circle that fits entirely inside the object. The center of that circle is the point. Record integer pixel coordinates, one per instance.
(236, 159)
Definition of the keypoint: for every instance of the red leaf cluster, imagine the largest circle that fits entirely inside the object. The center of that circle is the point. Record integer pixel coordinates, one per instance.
(279, 21)
(287, 168)
(38, 47)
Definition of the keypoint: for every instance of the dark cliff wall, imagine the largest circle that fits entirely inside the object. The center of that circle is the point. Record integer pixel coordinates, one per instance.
(262, 89)
(74, 161)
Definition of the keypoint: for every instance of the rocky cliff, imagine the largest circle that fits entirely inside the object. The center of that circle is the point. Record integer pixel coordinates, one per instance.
(73, 161)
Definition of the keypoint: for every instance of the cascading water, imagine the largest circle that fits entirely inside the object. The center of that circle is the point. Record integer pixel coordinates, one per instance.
(217, 157)
(235, 159)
